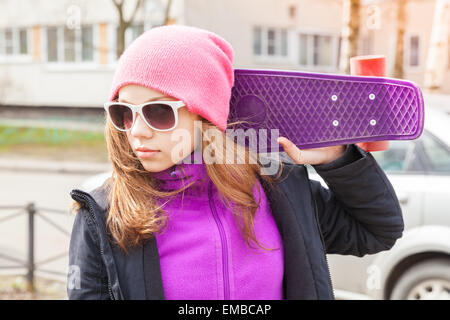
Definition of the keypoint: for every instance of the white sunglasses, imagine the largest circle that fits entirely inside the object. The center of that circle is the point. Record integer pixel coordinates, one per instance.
(159, 115)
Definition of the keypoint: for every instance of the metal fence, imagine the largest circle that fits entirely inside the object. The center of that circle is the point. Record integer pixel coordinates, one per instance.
(29, 263)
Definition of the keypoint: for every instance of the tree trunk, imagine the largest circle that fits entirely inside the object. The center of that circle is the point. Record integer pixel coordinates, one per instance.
(399, 47)
(167, 13)
(350, 33)
(121, 28)
(436, 58)
(123, 23)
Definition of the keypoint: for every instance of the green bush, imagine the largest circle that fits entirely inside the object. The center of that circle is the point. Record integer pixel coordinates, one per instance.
(12, 136)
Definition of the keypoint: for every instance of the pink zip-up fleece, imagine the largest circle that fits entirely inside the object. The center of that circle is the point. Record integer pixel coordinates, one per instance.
(203, 254)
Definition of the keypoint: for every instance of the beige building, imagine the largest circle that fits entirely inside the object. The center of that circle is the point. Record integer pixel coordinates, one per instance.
(64, 54)
(378, 36)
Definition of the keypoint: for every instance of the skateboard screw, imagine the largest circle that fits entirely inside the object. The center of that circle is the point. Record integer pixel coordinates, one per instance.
(373, 122)
(334, 97)
(335, 123)
(371, 96)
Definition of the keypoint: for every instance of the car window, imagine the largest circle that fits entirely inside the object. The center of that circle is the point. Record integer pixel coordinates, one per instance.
(400, 157)
(437, 155)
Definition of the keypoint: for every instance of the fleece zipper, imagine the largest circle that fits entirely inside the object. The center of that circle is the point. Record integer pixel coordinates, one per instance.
(77, 194)
(226, 280)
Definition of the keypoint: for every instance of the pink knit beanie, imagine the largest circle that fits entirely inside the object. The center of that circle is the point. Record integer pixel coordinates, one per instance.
(191, 64)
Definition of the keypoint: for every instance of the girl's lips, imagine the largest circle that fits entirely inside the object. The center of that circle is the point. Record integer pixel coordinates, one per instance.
(146, 154)
(144, 149)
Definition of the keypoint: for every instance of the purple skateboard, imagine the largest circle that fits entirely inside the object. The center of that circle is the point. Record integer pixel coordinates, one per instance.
(317, 110)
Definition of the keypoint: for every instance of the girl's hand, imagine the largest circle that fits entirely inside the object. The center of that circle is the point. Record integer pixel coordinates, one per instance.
(314, 156)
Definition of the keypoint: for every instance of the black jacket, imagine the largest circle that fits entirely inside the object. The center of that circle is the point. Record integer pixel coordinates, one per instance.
(359, 214)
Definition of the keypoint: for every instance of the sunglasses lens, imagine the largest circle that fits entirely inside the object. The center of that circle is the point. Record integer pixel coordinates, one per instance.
(121, 116)
(159, 115)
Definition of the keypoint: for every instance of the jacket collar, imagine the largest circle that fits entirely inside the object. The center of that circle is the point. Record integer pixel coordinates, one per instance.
(182, 174)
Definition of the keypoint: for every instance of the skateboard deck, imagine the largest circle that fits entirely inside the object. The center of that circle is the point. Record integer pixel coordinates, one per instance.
(318, 110)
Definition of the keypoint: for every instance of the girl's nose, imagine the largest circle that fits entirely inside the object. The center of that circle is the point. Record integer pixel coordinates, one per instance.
(140, 128)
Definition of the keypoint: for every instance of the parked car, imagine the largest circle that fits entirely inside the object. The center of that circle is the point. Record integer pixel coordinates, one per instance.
(418, 266)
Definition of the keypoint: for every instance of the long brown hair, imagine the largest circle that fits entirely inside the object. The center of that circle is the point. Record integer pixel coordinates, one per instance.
(134, 214)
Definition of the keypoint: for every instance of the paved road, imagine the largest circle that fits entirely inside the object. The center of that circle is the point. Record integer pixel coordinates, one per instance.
(47, 190)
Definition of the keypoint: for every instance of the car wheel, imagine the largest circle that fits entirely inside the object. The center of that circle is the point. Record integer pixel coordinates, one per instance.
(428, 280)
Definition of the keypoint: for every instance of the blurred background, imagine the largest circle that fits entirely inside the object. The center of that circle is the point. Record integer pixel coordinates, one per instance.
(57, 59)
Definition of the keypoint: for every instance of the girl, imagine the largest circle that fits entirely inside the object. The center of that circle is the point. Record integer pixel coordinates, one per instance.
(167, 226)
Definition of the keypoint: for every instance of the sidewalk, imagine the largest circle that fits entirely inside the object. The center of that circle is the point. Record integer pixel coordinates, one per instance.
(34, 165)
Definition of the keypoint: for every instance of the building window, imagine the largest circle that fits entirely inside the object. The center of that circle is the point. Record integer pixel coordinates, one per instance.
(137, 30)
(316, 50)
(70, 45)
(257, 44)
(14, 42)
(322, 50)
(270, 42)
(52, 44)
(414, 57)
(283, 45)
(9, 47)
(303, 49)
(23, 41)
(87, 43)
(132, 32)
